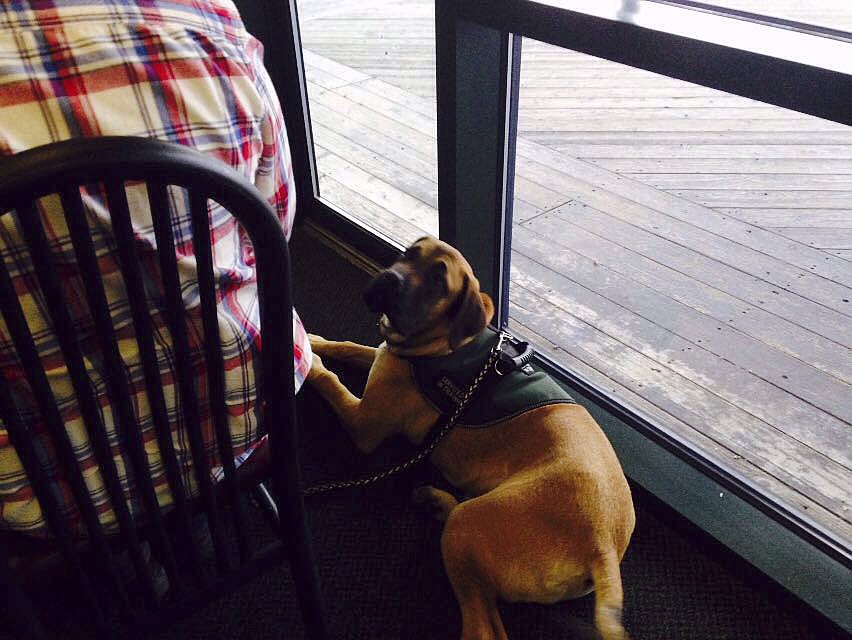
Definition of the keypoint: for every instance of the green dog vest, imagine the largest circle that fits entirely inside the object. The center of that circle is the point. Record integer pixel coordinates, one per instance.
(443, 380)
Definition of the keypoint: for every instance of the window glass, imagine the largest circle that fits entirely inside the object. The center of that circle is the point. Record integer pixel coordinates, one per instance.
(833, 14)
(370, 70)
(690, 253)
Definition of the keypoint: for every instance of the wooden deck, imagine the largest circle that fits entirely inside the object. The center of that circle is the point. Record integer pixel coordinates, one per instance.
(688, 250)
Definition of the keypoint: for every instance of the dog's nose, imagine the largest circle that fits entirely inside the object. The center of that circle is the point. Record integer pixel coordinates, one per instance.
(382, 293)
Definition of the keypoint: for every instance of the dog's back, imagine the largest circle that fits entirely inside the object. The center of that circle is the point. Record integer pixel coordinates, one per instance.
(554, 513)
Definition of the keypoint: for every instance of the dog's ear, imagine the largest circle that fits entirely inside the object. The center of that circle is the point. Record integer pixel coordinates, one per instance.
(471, 312)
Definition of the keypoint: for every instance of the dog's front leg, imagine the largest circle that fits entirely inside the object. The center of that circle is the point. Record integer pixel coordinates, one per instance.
(351, 352)
(388, 405)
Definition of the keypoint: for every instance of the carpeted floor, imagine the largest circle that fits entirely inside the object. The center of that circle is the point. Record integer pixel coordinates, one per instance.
(379, 556)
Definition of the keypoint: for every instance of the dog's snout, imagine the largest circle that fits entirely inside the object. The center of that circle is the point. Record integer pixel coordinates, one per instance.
(382, 293)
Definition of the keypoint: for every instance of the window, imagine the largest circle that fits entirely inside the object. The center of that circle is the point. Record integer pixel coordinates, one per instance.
(370, 72)
(686, 250)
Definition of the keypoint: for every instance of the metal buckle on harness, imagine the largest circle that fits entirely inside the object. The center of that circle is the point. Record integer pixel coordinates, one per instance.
(514, 354)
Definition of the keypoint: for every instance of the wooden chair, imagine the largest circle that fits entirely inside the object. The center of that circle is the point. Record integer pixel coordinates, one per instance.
(62, 168)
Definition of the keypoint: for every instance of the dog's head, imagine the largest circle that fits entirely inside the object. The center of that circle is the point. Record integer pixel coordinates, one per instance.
(429, 294)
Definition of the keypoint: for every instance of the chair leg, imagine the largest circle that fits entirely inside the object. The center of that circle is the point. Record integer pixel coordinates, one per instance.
(295, 531)
(267, 505)
(301, 559)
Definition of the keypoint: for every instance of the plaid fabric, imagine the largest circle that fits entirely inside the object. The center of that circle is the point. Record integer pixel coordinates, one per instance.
(180, 70)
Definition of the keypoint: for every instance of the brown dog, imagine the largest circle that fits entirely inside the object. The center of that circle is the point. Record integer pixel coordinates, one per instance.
(550, 513)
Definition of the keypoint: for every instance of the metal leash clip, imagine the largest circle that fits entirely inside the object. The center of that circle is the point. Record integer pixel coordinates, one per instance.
(514, 354)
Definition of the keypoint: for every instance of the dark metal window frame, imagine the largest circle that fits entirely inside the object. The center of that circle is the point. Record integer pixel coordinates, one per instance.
(478, 52)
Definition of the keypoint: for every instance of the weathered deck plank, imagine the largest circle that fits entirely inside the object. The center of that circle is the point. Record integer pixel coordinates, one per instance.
(559, 140)
(369, 212)
(677, 272)
(800, 168)
(808, 218)
(386, 195)
(754, 182)
(612, 191)
(380, 166)
(661, 367)
(822, 238)
(754, 376)
(779, 199)
(559, 335)
(671, 156)
(376, 140)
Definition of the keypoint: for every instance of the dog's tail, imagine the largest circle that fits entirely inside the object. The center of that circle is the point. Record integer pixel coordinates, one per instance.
(609, 596)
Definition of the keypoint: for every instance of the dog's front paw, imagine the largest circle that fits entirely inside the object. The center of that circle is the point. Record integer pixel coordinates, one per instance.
(318, 343)
(317, 368)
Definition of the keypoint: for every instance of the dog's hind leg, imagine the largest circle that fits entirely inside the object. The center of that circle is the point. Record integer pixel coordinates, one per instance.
(479, 612)
(480, 616)
(609, 596)
(474, 590)
(440, 501)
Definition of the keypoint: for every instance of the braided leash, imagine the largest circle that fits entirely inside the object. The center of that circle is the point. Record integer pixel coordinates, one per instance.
(490, 364)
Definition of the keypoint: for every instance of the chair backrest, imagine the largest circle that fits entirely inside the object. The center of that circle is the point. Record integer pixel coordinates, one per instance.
(64, 168)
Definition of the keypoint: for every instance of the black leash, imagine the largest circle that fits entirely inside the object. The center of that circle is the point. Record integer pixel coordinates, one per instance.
(505, 356)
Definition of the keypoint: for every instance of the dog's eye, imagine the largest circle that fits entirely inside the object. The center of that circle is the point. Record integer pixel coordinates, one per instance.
(438, 276)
